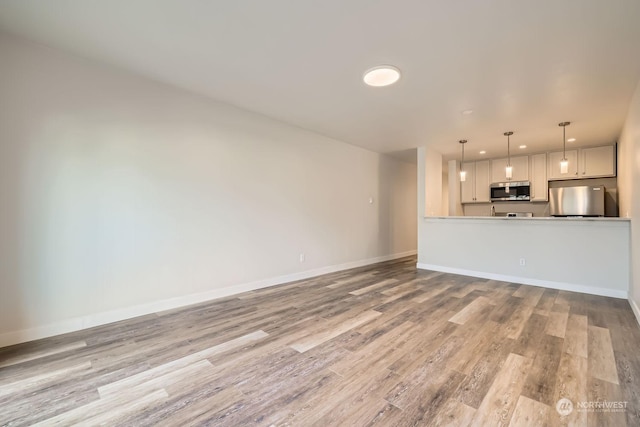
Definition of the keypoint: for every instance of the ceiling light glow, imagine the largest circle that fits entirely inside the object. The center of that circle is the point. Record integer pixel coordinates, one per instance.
(483, 152)
(382, 75)
(467, 112)
(523, 146)
(571, 140)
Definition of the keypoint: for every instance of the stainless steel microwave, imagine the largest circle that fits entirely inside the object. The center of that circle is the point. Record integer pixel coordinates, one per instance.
(510, 191)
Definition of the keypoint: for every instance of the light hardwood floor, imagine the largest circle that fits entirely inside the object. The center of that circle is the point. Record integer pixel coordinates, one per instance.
(385, 344)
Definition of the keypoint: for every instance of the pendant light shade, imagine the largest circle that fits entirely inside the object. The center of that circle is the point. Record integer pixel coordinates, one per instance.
(509, 168)
(463, 173)
(564, 163)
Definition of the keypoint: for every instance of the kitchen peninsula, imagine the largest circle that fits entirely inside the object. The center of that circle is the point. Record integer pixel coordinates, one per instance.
(589, 255)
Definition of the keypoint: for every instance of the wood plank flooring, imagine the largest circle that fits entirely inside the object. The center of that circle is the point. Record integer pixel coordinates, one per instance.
(380, 345)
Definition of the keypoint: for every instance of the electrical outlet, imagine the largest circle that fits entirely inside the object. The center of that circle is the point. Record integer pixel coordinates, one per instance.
(302, 257)
(523, 262)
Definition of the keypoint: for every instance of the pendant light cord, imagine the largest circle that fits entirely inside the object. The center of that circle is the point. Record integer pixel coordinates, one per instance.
(564, 139)
(462, 142)
(508, 135)
(564, 143)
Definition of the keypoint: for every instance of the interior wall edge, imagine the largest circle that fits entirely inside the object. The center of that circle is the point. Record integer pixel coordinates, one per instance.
(635, 309)
(98, 319)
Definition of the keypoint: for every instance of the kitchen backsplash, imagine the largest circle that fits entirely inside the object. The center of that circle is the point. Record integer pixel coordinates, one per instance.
(484, 209)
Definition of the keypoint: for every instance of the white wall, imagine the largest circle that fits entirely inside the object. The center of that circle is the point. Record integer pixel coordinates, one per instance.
(629, 190)
(455, 207)
(589, 256)
(430, 179)
(445, 191)
(120, 196)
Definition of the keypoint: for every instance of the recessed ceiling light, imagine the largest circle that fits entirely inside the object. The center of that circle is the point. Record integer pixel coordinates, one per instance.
(382, 75)
(467, 112)
(483, 152)
(571, 140)
(523, 146)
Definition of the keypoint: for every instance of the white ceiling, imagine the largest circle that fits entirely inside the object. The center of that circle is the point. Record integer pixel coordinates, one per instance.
(519, 65)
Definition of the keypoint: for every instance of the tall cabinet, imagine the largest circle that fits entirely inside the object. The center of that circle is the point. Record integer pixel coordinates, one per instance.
(539, 184)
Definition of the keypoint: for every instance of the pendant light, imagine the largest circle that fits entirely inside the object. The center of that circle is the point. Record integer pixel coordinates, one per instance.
(463, 173)
(509, 168)
(564, 163)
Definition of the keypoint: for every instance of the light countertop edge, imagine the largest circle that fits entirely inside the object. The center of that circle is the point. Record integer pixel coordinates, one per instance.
(535, 218)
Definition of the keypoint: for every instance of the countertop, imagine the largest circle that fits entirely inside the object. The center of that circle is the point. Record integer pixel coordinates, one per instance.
(535, 218)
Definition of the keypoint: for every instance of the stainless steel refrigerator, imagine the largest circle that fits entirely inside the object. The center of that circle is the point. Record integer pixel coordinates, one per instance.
(577, 201)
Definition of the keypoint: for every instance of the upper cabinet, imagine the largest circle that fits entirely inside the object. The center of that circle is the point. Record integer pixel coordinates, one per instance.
(475, 189)
(553, 164)
(591, 162)
(597, 161)
(520, 171)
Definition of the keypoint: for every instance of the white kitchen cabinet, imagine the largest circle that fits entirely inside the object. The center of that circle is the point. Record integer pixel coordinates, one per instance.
(539, 184)
(597, 161)
(475, 189)
(468, 186)
(590, 162)
(520, 172)
(553, 165)
(483, 193)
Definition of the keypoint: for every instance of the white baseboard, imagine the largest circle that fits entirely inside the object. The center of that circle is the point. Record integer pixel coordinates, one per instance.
(615, 293)
(636, 309)
(84, 322)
